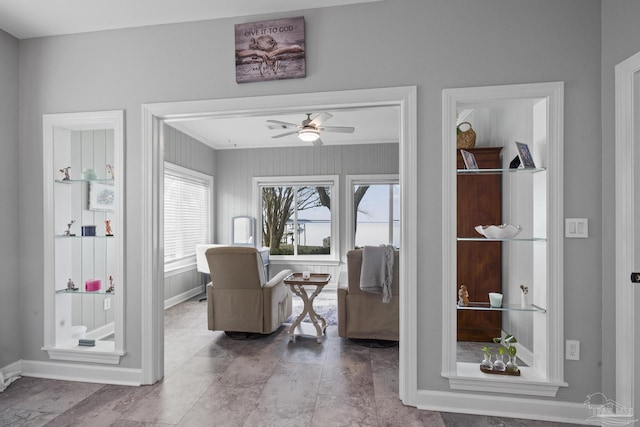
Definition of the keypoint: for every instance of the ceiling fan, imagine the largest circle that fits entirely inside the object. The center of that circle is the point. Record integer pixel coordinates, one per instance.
(309, 130)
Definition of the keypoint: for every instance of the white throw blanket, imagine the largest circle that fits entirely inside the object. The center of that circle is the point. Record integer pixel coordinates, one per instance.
(376, 274)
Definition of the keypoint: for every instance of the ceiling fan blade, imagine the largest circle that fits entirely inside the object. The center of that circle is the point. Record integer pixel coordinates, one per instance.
(277, 124)
(317, 142)
(320, 119)
(285, 134)
(343, 129)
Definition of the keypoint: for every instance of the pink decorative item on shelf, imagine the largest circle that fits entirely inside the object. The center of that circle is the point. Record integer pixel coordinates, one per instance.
(92, 285)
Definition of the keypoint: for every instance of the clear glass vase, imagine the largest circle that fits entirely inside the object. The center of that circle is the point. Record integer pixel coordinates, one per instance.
(499, 365)
(486, 362)
(512, 366)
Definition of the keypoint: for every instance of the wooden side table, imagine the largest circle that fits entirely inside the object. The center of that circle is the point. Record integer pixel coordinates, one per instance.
(298, 286)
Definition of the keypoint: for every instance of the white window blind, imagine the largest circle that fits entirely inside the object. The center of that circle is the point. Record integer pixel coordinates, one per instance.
(187, 213)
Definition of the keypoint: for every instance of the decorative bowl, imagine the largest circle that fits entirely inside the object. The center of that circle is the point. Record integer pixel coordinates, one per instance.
(502, 231)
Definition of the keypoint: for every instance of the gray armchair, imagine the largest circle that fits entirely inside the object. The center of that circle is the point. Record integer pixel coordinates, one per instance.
(239, 297)
(363, 315)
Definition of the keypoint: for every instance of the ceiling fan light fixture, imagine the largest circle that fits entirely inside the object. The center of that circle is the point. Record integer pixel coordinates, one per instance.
(308, 135)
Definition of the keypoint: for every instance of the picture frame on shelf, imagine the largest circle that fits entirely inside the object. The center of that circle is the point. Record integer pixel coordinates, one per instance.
(526, 160)
(469, 159)
(102, 197)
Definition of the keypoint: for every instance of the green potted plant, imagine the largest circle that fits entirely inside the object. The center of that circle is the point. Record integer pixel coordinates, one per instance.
(499, 364)
(510, 340)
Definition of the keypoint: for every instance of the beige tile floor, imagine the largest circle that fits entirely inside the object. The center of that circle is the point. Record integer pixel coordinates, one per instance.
(211, 380)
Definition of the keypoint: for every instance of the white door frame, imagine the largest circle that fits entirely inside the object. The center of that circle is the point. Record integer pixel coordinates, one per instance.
(153, 116)
(625, 89)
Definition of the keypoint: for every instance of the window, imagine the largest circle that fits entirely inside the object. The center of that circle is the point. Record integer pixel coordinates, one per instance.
(188, 198)
(373, 206)
(298, 216)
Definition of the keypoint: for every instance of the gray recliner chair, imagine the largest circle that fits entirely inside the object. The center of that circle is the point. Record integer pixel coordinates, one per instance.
(239, 297)
(363, 315)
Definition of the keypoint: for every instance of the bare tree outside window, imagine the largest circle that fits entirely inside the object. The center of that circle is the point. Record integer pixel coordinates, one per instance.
(279, 207)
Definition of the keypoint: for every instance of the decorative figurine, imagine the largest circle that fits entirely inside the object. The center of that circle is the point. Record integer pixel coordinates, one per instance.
(107, 227)
(65, 171)
(523, 296)
(110, 288)
(110, 172)
(68, 230)
(71, 286)
(463, 296)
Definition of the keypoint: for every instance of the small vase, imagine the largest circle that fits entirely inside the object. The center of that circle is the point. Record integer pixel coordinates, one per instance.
(511, 364)
(499, 365)
(486, 362)
(523, 300)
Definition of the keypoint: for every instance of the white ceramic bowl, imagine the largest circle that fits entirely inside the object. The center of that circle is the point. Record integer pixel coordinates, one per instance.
(503, 231)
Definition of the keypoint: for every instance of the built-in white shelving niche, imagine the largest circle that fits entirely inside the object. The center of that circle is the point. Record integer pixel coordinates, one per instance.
(83, 240)
(539, 203)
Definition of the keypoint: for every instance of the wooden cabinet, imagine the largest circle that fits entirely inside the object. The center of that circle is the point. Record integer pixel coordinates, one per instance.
(479, 202)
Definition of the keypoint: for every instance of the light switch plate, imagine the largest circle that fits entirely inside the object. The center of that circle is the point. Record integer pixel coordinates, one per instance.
(576, 228)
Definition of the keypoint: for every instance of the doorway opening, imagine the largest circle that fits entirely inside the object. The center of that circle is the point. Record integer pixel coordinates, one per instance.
(153, 122)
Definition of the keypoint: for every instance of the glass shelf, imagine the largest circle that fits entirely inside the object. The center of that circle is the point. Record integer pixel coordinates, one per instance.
(62, 236)
(498, 171)
(484, 239)
(72, 181)
(485, 306)
(80, 291)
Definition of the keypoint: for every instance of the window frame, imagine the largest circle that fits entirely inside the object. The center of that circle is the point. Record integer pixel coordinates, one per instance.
(188, 263)
(367, 179)
(298, 181)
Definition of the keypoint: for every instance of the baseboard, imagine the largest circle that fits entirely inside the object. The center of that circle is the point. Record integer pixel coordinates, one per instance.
(82, 373)
(182, 297)
(503, 406)
(12, 367)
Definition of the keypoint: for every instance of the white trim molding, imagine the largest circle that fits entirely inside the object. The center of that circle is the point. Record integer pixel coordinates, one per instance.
(625, 140)
(83, 373)
(504, 406)
(152, 286)
(547, 373)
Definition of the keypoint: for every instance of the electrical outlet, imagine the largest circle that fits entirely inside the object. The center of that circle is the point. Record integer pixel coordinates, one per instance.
(107, 304)
(572, 350)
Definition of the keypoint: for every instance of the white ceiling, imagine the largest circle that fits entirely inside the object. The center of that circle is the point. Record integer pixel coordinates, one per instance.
(40, 18)
(373, 125)
(26, 19)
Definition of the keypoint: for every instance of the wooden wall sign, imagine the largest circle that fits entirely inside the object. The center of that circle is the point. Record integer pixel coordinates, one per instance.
(270, 50)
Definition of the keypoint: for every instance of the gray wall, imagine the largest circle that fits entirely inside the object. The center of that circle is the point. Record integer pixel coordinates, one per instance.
(235, 170)
(620, 40)
(10, 345)
(182, 150)
(433, 44)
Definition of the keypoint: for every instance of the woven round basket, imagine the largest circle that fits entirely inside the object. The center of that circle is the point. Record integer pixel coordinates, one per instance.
(465, 138)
